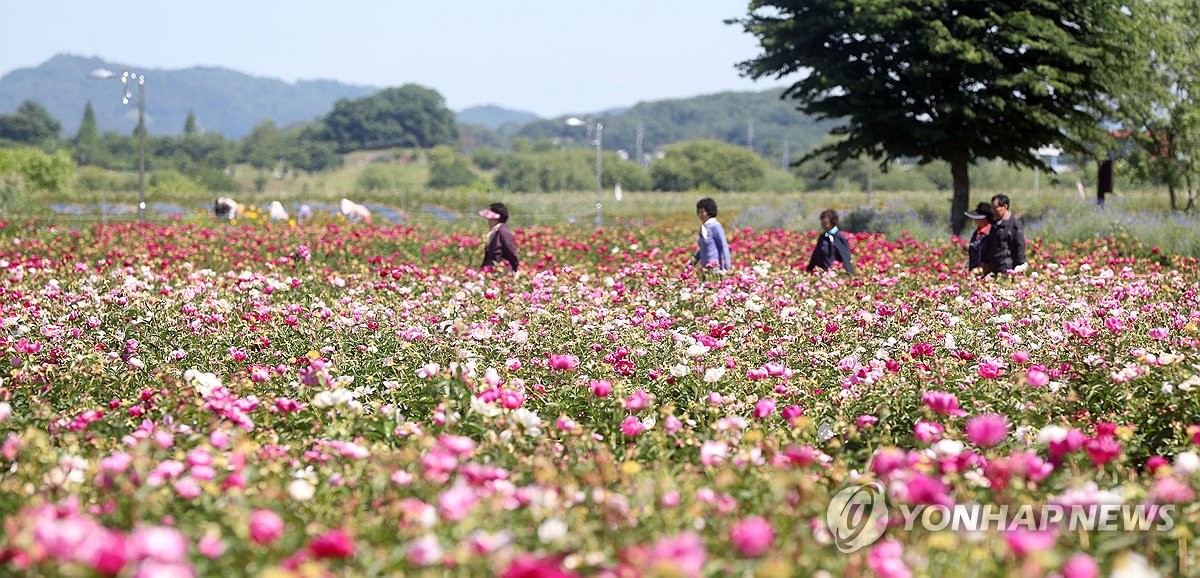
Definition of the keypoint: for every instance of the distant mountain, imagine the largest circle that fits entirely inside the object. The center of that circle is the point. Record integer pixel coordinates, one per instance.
(759, 120)
(224, 101)
(495, 117)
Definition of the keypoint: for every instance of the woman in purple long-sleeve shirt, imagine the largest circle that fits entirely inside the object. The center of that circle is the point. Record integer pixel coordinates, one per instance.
(499, 249)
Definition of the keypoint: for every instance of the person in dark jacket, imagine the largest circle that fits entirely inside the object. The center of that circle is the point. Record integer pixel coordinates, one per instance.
(1006, 241)
(977, 249)
(499, 249)
(831, 245)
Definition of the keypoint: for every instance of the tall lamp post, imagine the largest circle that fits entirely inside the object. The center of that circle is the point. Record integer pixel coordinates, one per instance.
(126, 78)
(598, 142)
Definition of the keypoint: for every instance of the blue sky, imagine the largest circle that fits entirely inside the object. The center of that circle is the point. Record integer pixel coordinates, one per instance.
(549, 57)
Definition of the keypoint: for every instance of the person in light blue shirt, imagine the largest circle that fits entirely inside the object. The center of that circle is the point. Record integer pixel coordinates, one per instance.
(713, 247)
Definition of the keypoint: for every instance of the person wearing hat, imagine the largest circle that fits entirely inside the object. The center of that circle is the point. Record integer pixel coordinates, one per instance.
(831, 246)
(1006, 241)
(499, 249)
(977, 249)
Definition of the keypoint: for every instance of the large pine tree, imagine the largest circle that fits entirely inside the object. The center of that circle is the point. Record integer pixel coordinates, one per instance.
(953, 80)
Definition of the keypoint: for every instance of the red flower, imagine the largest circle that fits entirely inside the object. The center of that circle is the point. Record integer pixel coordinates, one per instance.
(332, 544)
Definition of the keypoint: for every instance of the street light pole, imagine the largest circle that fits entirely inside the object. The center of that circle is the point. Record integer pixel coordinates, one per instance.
(599, 142)
(126, 78)
(599, 183)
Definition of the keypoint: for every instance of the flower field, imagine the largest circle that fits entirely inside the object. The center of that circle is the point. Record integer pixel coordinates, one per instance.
(361, 401)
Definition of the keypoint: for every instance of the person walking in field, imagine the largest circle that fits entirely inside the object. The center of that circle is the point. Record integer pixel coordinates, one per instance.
(499, 249)
(1006, 241)
(831, 246)
(712, 246)
(977, 248)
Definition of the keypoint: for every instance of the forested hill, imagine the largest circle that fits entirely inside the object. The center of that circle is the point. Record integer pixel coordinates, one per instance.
(759, 120)
(224, 101)
(232, 103)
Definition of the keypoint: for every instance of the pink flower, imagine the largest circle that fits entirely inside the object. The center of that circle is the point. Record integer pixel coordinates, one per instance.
(601, 388)
(865, 420)
(1102, 449)
(159, 543)
(752, 536)
(791, 413)
(928, 432)
(265, 526)
(1020, 356)
(454, 504)
(764, 407)
(428, 370)
(1079, 565)
(332, 544)
(713, 453)
(942, 402)
(990, 369)
(529, 566)
(886, 559)
(632, 427)
(152, 569)
(1037, 377)
(681, 555)
(637, 401)
(1159, 333)
(564, 362)
(987, 430)
(1024, 542)
(210, 546)
(923, 489)
(888, 460)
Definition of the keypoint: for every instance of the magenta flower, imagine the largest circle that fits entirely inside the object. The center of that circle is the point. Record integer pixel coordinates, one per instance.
(752, 536)
(764, 407)
(1025, 542)
(601, 388)
(928, 432)
(529, 566)
(265, 526)
(332, 544)
(1037, 377)
(454, 504)
(564, 362)
(632, 427)
(1102, 449)
(1080, 565)
(987, 430)
(942, 402)
(1159, 333)
(637, 401)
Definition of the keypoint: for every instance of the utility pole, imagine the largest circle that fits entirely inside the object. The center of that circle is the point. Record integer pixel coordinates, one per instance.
(640, 132)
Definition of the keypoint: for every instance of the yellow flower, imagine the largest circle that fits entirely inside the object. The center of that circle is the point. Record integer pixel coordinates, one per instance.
(631, 468)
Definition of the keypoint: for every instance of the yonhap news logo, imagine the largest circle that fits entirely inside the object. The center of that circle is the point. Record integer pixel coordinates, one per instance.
(857, 516)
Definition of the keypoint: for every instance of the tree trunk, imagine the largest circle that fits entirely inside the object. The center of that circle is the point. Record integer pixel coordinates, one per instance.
(1104, 185)
(962, 195)
(1191, 194)
(1171, 194)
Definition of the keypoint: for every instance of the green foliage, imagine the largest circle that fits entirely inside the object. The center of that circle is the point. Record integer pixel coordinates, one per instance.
(726, 117)
(485, 158)
(27, 170)
(265, 147)
(448, 169)
(190, 126)
(408, 116)
(1159, 101)
(88, 148)
(708, 165)
(171, 181)
(957, 80)
(30, 125)
(540, 170)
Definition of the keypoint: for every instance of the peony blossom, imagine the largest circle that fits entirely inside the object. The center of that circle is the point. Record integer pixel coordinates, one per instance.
(751, 537)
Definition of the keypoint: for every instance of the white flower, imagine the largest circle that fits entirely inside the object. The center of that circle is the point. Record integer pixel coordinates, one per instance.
(1132, 565)
(528, 420)
(714, 374)
(948, 447)
(552, 530)
(697, 350)
(5, 410)
(1052, 433)
(301, 490)
(1187, 463)
(679, 370)
(484, 408)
